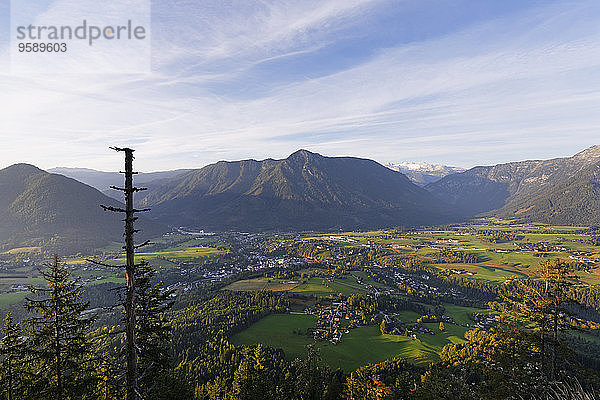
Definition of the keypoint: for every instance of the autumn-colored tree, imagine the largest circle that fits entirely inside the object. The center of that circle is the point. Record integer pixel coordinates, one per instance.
(493, 359)
(383, 327)
(558, 278)
(361, 385)
(540, 307)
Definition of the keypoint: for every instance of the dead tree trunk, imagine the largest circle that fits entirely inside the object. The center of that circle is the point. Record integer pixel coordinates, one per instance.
(130, 320)
(57, 345)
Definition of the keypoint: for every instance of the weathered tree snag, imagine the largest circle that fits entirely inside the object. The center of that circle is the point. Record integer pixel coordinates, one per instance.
(130, 320)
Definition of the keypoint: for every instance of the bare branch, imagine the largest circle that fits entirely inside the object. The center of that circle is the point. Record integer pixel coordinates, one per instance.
(121, 148)
(146, 243)
(103, 264)
(110, 208)
(135, 189)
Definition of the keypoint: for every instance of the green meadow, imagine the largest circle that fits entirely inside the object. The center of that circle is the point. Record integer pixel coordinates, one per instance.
(251, 285)
(8, 299)
(363, 345)
(321, 287)
(170, 258)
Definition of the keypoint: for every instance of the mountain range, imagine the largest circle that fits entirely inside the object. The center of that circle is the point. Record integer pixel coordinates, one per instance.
(557, 191)
(305, 191)
(103, 180)
(38, 208)
(423, 173)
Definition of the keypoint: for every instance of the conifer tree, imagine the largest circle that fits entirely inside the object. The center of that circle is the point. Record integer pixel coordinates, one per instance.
(311, 376)
(13, 374)
(529, 306)
(541, 307)
(153, 328)
(558, 278)
(108, 386)
(59, 343)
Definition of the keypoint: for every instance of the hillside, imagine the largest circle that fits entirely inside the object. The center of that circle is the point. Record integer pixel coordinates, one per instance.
(304, 191)
(49, 210)
(103, 180)
(508, 189)
(575, 201)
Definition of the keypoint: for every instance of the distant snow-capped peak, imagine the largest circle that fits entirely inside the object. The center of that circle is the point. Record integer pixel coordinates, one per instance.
(424, 167)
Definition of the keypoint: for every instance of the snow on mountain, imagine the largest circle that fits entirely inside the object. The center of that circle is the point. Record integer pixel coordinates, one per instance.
(423, 173)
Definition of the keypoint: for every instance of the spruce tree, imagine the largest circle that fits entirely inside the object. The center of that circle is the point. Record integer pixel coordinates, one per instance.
(153, 330)
(13, 373)
(542, 308)
(60, 346)
(558, 278)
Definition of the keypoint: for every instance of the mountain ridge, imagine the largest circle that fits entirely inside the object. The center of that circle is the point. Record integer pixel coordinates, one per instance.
(303, 191)
(103, 180)
(38, 208)
(508, 189)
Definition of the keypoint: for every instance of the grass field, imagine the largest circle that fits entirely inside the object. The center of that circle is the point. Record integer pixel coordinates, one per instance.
(8, 299)
(408, 317)
(461, 314)
(361, 346)
(170, 258)
(24, 250)
(107, 280)
(321, 287)
(251, 285)
(347, 286)
(589, 278)
(451, 334)
(485, 272)
(278, 331)
(8, 280)
(366, 345)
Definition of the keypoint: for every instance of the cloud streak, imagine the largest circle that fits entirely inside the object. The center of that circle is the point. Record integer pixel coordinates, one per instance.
(520, 86)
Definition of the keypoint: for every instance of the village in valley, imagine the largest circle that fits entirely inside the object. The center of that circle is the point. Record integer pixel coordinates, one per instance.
(419, 289)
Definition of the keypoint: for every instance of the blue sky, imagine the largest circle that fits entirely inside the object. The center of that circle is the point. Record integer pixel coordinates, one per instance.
(456, 82)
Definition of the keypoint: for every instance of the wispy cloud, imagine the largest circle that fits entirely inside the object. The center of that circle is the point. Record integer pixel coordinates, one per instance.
(521, 86)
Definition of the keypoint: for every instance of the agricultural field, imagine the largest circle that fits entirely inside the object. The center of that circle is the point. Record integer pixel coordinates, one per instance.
(172, 257)
(493, 273)
(19, 268)
(8, 299)
(504, 250)
(250, 285)
(358, 263)
(363, 345)
(24, 250)
(321, 287)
